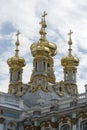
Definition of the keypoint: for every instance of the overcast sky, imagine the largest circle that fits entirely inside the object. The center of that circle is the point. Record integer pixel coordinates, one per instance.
(25, 16)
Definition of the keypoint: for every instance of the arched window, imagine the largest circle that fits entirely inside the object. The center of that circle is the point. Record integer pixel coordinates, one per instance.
(66, 75)
(44, 63)
(60, 89)
(83, 125)
(18, 75)
(11, 76)
(36, 66)
(65, 127)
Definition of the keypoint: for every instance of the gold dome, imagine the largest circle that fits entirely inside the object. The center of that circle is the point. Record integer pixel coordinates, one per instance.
(70, 61)
(16, 60)
(43, 46)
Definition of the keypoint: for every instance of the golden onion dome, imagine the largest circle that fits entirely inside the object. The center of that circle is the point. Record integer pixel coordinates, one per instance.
(43, 46)
(70, 61)
(16, 60)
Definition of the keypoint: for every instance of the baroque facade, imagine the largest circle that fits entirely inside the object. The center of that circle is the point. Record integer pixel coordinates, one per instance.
(43, 103)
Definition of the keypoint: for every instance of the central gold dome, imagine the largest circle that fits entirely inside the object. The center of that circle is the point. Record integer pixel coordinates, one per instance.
(43, 47)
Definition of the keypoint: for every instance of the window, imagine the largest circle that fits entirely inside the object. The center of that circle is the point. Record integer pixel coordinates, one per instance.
(65, 127)
(84, 125)
(36, 66)
(19, 75)
(21, 89)
(11, 76)
(60, 89)
(66, 75)
(48, 68)
(44, 65)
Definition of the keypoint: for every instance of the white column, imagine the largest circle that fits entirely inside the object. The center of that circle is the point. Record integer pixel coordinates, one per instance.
(21, 103)
(53, 119)
(74, 121)
(36, 123)
(1, 123)
(1, 126)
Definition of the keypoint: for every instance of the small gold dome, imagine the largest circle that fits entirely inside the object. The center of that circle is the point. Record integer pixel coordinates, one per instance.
(16, 60)
(70, 61)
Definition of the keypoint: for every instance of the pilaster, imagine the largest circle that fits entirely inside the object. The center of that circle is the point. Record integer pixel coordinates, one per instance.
(73, 121)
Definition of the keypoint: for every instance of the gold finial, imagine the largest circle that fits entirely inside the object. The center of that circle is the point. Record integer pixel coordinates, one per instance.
(43, 26)
(17, 43)
(70, 42)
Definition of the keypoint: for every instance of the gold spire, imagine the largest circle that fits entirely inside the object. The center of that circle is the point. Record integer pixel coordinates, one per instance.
(43, 26)
(17, 43)
(70, 60)
(70, 42)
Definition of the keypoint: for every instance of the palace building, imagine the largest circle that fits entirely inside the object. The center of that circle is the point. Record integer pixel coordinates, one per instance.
(43, 103)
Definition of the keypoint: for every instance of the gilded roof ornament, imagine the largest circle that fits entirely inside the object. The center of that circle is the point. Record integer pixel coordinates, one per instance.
(43, 26)
(43, 46)
(16, 60)
(70, 60)
(70, 42)
(17, 43)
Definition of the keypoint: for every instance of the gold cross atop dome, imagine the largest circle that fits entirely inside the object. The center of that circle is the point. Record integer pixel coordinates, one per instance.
(17, 43)
(43, 26)
(70, 33)
(44, 14)
(17, 34)
(70, 41)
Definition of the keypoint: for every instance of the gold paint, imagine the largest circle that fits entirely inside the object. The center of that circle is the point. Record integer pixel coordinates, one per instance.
(54, 124)
(70, 63)
(57, 86)
(73, 121)
(83, 115)
(11, 124)
(1, 120)
(16, 63)
(43, 50)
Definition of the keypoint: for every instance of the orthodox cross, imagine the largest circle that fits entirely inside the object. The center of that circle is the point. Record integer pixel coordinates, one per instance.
(44, 14)
(70, 33)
